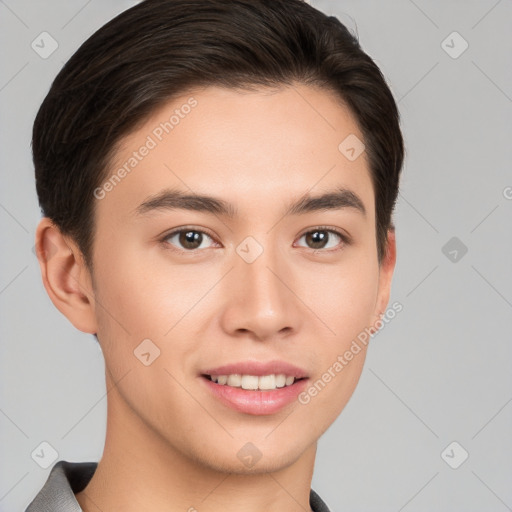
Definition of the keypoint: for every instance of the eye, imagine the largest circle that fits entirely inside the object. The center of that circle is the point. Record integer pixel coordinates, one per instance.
(320, 238)
(190, 239)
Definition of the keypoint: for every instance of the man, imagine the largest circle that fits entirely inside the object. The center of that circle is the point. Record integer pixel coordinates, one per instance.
(217, 179)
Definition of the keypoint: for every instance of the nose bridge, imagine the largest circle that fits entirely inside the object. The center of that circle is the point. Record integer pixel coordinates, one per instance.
(262, 276)
(257, 267)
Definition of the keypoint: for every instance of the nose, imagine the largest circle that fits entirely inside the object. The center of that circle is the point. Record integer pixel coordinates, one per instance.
(259, 300)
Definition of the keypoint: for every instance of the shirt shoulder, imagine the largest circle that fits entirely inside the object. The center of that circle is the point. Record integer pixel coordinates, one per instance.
(316, 503)
(58, 492)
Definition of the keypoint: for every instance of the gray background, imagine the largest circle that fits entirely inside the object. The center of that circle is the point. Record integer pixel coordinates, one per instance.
(438, 373)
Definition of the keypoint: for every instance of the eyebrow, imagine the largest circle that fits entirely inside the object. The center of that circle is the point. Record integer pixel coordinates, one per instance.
(171, 199)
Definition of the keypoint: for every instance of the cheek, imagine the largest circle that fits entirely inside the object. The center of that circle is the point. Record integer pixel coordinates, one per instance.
(131, 293)
(344, 301)
(342, 296)
(138, 301)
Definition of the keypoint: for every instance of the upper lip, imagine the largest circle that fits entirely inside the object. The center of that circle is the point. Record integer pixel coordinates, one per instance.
(258, 368)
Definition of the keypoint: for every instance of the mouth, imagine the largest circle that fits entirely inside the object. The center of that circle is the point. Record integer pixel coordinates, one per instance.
(253, 387)
(258, 395)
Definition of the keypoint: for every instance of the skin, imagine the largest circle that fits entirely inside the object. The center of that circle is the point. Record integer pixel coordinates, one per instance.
(170, 445)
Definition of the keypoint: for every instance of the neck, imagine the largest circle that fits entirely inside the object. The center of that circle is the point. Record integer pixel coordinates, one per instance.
(140, 470)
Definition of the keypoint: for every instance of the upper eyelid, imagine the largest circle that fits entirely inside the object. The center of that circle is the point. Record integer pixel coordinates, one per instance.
(337, 231)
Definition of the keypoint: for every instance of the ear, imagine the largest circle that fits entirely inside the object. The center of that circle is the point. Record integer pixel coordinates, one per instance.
(386, 270)
(65, 276)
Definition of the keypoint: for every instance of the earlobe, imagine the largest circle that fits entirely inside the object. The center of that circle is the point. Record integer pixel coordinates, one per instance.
(65, 276)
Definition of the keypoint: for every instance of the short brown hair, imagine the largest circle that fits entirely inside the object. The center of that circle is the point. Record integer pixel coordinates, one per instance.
(158, 49)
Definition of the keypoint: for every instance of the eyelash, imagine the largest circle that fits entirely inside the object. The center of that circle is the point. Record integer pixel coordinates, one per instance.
(344, 238)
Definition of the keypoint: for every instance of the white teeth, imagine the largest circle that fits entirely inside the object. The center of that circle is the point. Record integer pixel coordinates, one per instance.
(253, 382)
(267, 382)
(250, 382)
(235, 380)
(281, 380)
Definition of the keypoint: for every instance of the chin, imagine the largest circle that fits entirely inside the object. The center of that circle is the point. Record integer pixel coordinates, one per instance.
(248, 459)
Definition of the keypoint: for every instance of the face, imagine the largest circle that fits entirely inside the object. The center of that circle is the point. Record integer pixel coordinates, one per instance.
(187, 287)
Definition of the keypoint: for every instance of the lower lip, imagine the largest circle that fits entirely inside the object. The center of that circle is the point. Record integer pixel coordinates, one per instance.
(254, 401)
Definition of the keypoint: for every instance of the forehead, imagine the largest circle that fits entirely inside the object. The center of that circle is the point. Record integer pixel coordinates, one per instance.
(249, 147)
